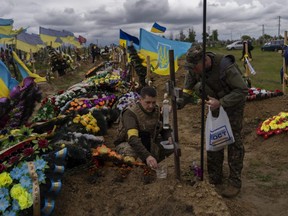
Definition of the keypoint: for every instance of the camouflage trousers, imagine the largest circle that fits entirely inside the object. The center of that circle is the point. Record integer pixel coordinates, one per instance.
(157, 151)
(235, 155)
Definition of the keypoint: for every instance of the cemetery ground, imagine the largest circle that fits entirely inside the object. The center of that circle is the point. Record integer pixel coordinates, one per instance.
(264, 176)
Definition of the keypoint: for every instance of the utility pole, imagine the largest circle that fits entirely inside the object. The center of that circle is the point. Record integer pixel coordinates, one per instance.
(279, 26)
(263, 32)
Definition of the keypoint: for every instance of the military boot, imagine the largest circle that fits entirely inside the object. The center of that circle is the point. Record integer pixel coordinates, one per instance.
(230, 191)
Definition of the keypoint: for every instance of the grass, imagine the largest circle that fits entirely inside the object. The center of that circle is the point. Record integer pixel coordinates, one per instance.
(266, 64)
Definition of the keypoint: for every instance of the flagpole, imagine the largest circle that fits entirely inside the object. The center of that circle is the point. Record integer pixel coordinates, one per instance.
(203, 88)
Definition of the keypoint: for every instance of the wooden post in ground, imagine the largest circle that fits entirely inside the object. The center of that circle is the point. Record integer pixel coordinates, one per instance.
(148, 72)
(246, 56)
(284, 76)
(32, 60)
(175, 138)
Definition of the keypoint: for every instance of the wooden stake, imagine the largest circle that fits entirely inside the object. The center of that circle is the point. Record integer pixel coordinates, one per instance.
(148, 72)
(32, 61)
(284, 77)
(247, 71)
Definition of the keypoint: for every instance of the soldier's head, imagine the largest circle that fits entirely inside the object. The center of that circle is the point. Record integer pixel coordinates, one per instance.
(193, 59)
(148, 97)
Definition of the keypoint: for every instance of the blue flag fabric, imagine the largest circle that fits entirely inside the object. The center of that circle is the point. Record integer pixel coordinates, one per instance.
(6, 26)
(158, 48)
(126, 38)
(156, 28)
(7, 83)
(32, 39)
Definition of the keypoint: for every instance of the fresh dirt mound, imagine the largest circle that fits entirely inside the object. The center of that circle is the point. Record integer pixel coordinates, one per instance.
(265, 172)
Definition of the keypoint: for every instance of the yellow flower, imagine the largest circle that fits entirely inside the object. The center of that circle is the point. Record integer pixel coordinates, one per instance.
(5, 179)
(89, 128)
(84, 123)
(265, 128)
(15, 131)
(25, 200)
(76, 119)
(16, 191)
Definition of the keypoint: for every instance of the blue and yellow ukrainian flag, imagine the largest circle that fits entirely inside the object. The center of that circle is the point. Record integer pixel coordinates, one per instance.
(156, 28)
(7, 83)
(24, 70)
(6, 26)
(29, 42)
(158, 48)
(125, 40)
(51, 37)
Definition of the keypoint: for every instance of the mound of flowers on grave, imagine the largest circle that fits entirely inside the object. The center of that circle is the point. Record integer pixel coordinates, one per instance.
(260, 94)
(18, 108)
(102, 156)
(99, 91)
(30, 172)
(274, 125)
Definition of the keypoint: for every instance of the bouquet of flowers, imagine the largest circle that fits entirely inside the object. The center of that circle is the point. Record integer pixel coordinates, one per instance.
(16, 187)
(274, 125)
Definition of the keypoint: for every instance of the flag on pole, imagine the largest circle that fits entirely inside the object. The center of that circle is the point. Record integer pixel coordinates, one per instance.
(158, 48)
(7, 83)
(82, 39)
(126, 39)
(29, 42)
(6, 26)
(24, 70)
(156, 28)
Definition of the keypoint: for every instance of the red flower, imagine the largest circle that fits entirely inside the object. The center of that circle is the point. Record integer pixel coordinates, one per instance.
(43, 143)
(2, 168)
(28, 151)
(44, 101)
(13, 159)
(53, 100)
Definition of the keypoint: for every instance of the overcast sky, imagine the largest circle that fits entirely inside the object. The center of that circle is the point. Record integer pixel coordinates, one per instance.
(100, 20)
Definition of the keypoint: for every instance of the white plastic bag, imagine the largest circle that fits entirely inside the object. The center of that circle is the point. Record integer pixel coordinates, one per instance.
(218, 131)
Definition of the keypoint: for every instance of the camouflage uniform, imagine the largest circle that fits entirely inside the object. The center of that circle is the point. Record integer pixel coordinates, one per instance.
(224, 82)
(145, 141)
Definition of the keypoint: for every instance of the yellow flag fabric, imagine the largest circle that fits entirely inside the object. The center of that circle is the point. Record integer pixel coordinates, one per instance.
(26, 47)
(158, 49)
(25, 72)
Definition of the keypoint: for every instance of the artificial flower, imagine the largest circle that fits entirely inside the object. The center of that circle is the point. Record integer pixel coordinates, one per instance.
(274, 125)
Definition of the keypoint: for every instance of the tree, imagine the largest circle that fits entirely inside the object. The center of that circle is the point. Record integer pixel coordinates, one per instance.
(245, 37)
(182, 36)
(264, 38)
(214, 36)
(191, 36)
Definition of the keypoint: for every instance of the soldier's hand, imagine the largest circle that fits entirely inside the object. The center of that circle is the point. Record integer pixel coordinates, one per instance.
(152, 162)
(213, 103)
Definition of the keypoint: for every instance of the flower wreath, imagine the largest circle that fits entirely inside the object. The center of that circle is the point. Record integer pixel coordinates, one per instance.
(274, 125)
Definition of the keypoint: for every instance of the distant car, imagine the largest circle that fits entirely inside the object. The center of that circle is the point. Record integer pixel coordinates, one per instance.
(275, 45)
(237, 45)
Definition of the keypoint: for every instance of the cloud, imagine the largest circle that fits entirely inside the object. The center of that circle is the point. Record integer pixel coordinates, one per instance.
(101, 20)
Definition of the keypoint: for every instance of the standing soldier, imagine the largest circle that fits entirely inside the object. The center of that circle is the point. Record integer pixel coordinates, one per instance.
(224, 87)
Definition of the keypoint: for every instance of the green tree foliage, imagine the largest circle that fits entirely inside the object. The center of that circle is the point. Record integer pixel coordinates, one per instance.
(191, 36)
(245, 37)
(214, 36)
(182, 36)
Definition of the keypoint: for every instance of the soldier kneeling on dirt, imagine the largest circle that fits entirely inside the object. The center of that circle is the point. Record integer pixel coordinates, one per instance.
(140, 130)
